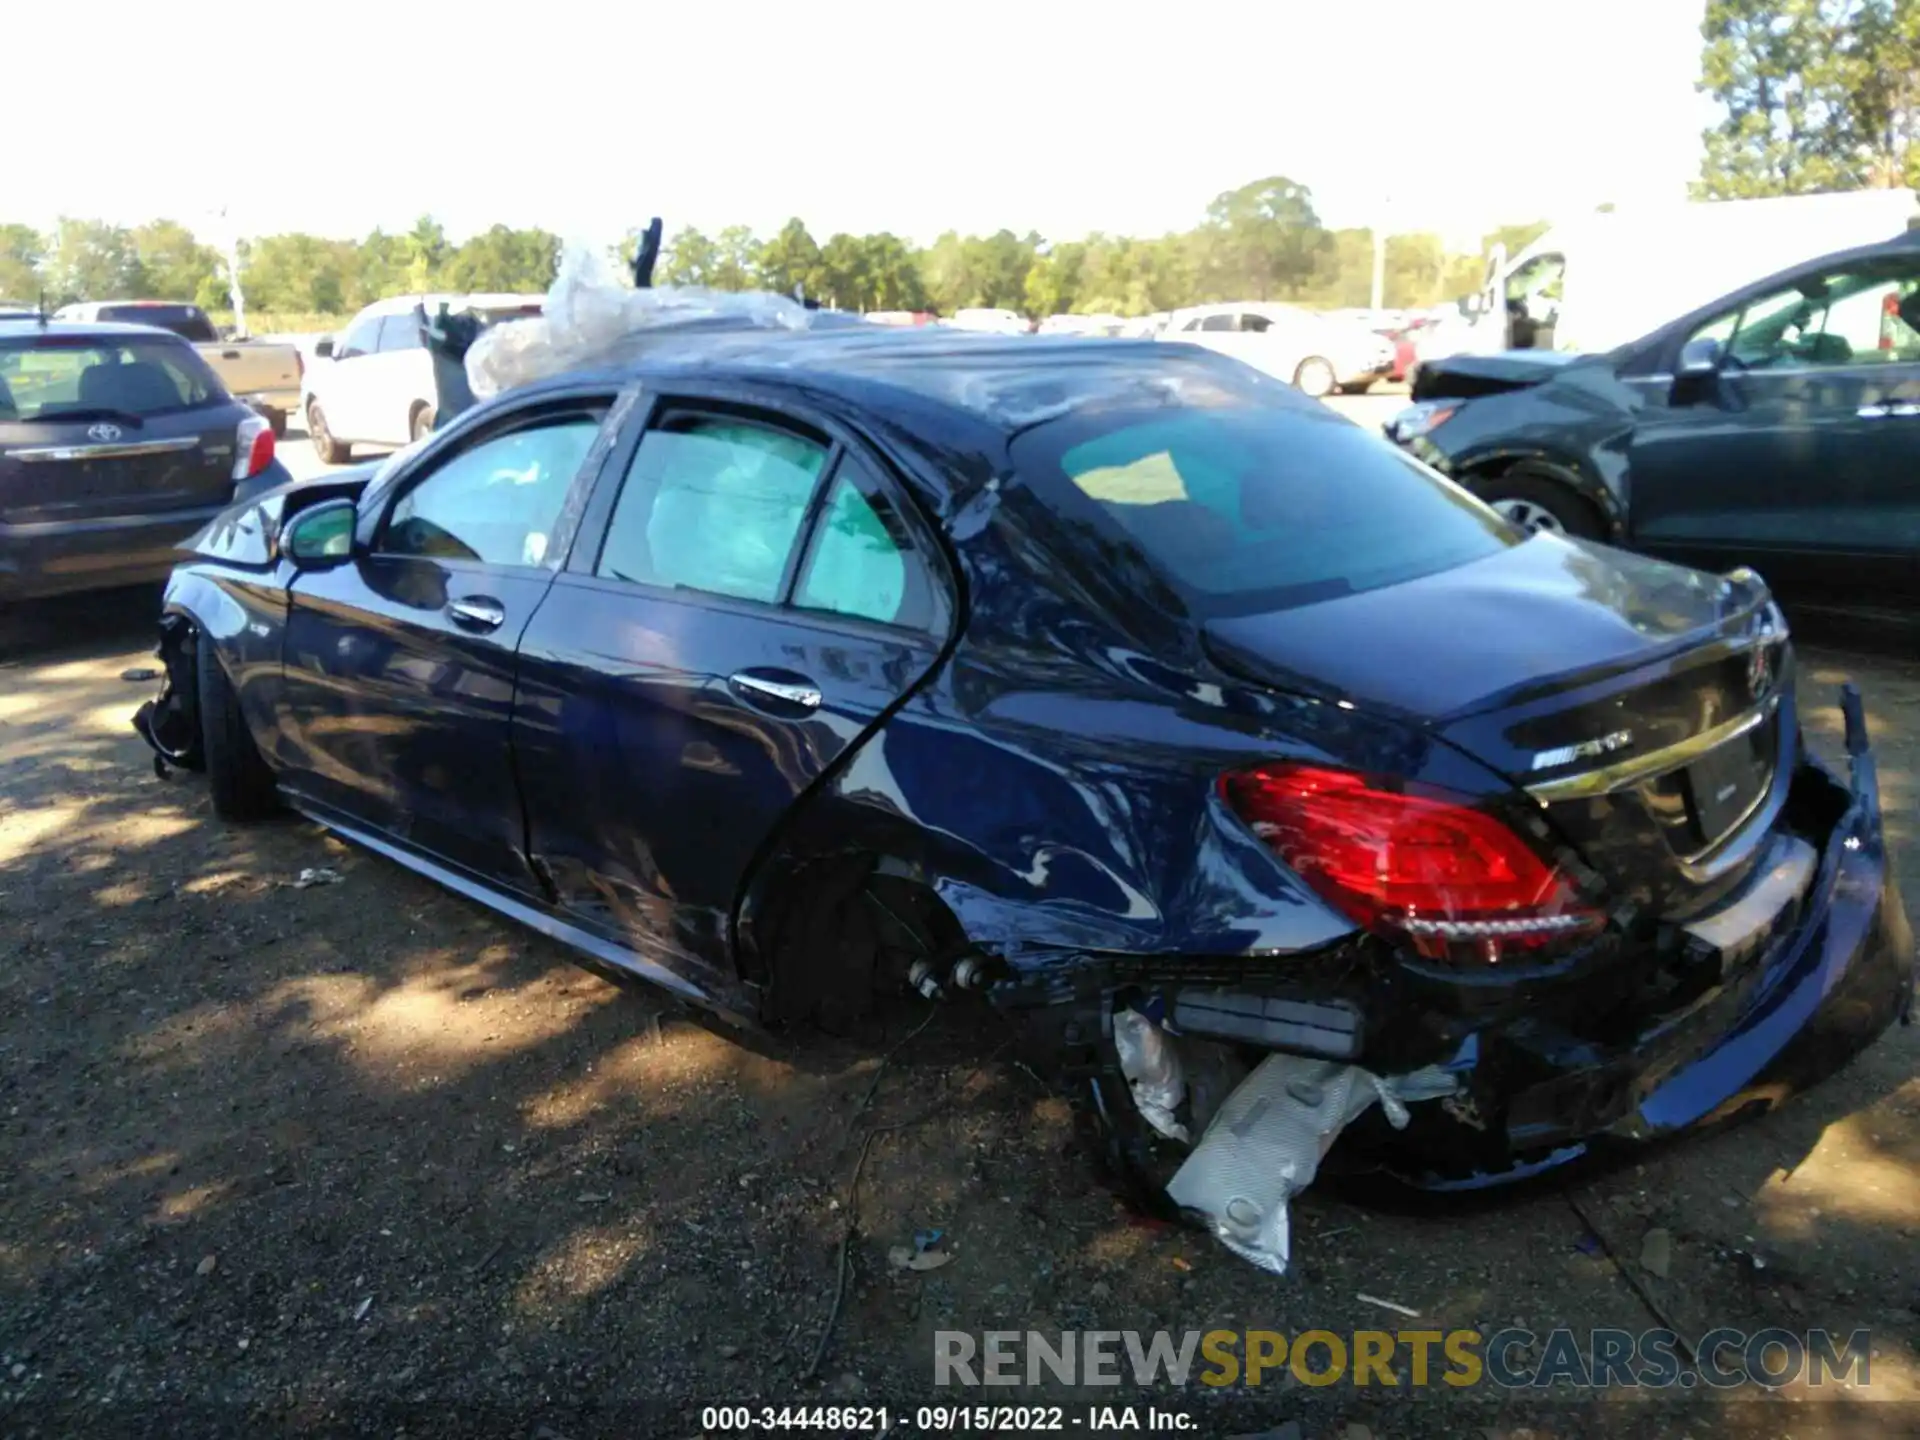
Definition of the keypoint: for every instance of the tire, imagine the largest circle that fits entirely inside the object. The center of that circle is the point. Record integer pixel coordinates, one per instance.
(421, 425)
(1541, 498)
(1315, 377)
(277, 422)
(330, 450)
(239, 779)
(1359, 387)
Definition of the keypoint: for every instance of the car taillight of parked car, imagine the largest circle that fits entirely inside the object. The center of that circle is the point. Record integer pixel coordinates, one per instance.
(253, 448)
(1440, 875)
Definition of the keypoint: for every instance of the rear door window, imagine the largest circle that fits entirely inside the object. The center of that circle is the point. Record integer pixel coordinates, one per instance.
(715, 504)
(861, 560)
(46, 377)
(1251, 507)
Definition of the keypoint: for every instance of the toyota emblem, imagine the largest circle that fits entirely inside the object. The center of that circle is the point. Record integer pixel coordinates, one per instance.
(103, 432)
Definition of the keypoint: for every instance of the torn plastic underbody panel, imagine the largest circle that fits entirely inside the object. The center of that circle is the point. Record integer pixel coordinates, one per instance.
(1240, 1077)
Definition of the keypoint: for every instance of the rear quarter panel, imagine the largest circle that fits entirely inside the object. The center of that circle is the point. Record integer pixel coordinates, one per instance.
(1056, 781)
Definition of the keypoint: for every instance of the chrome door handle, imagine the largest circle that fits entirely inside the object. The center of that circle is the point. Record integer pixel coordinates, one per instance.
(478, 613)
(805, 696)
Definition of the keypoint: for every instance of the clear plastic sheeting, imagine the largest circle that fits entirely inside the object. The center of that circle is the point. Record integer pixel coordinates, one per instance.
(1151, 1062)
(590, 311)
(1266, 1144)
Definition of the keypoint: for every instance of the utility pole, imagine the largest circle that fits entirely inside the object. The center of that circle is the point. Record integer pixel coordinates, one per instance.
(1379, 296)
(229, 245)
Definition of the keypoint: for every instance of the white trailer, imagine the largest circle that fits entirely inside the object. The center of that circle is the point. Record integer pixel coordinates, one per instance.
(1601, 279)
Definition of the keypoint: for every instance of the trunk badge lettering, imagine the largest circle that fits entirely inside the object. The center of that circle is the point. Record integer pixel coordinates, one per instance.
(104, 432)
(1584, 750)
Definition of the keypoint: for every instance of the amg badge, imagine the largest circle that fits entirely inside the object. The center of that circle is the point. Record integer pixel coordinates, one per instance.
(1585, 750)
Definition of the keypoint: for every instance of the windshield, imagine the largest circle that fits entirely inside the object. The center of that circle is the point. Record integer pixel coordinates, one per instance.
(1246, 508)
(50, 377)
(189, 322)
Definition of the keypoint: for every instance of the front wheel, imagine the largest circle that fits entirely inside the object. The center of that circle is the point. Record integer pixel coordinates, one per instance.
(239, 779)
(1537, 501)
(422, 424)
(1315, 377)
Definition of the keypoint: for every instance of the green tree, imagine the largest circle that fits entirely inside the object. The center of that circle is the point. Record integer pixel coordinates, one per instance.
(21, 252)
(893, 274)
(1053, 280)
(92, 260)
(790, 260)
(1263, 241)
(427, 251)
(299, 273)
(1814, 95)
(504, 259)
(176, 265)
(688, 258)
(737, 261)
(378, 268)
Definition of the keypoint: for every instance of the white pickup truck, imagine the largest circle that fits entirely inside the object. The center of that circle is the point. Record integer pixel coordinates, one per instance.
(259, 374)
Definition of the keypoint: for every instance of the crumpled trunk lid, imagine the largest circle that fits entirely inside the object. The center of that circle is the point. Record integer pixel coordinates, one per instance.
(1643, 706)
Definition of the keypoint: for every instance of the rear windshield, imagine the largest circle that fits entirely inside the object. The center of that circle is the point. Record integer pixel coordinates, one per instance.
(189, 322)
(52, 377)
(1247, 507)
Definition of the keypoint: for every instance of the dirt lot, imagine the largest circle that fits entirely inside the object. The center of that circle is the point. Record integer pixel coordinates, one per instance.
(361, 1158)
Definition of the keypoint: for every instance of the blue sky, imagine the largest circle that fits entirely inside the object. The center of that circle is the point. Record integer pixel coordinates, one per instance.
(912, 116)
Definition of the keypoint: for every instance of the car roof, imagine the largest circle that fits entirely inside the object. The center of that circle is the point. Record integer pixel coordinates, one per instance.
(946, 386)
(82, 329)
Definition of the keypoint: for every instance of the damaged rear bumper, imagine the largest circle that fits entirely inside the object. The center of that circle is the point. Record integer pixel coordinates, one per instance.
(1792, 976)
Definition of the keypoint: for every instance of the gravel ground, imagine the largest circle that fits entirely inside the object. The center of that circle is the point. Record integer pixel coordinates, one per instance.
(361, 1158)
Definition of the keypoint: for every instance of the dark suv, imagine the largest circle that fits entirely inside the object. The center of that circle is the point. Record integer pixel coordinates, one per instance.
(116, 443)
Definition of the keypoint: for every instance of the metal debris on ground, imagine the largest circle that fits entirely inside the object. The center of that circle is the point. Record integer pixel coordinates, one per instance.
(360, 1310)
(317, 875)
(1392, 1305)
(927, 1252)
(1265, 1145)
(1656, 1253)
(140, 673)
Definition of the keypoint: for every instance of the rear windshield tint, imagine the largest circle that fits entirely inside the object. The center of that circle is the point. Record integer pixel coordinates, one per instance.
(48, 377)
(1249, 507)
(189, 322)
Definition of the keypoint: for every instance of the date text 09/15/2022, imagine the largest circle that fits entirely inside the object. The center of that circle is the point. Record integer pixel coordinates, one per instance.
(941, 1419)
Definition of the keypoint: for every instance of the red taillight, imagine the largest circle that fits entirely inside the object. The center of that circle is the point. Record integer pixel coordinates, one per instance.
(252, 448)
(1449, 878)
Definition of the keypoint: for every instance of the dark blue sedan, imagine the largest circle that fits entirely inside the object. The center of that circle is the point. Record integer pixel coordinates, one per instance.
(1102, 678)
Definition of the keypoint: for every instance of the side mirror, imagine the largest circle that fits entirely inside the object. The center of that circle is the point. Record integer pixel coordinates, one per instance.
(323, 347)
(322, 537)
(1695, 371)
(1698, 360)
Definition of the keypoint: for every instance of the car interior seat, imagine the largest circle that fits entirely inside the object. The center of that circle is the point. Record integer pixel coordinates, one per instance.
(137, 387)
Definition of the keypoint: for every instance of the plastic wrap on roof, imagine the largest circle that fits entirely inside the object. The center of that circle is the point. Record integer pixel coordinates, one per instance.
(590, 312)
